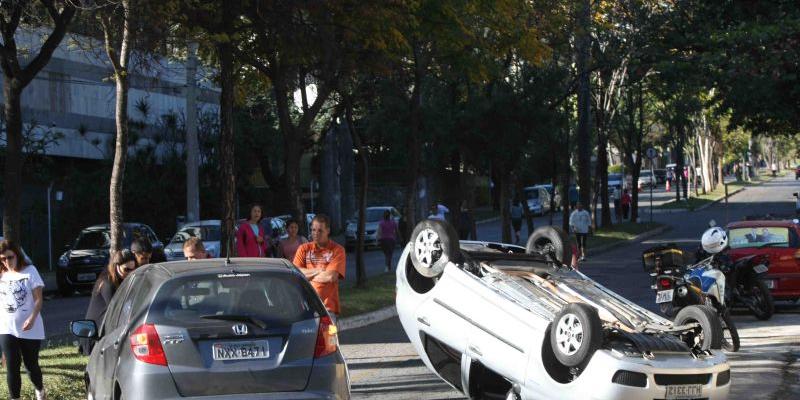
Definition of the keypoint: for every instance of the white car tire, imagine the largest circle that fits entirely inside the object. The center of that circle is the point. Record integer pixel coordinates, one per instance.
(433, 244)
(549, 238)
(709, 335)
(575, 334)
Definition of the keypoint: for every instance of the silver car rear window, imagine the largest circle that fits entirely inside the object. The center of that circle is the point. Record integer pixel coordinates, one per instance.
(270, 297)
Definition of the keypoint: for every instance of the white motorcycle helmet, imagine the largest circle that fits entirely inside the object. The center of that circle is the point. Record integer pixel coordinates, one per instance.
(714, 240)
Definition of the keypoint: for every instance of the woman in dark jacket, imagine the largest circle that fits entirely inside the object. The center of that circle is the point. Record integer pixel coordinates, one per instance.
(121, 265)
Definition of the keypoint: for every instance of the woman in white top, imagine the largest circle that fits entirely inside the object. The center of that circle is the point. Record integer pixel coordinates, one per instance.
(21, 327)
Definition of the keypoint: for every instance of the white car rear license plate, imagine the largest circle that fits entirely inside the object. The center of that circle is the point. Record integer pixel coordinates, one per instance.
(760, 268)
(86, 277)
(240, 350)
(664, 296)
(770, 284)
(684, 391)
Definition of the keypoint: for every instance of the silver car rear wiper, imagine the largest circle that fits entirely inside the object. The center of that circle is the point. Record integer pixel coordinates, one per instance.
(240, 318)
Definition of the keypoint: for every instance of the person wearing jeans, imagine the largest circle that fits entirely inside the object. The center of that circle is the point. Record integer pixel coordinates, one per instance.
(579, 222)
(21, 326)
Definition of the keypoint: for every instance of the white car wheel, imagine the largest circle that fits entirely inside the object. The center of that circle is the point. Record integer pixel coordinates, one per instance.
(433, 244)
(427, 248)
(575, 334)
(569, 334)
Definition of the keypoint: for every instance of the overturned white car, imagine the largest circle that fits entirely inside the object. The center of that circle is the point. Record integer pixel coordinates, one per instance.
(502, 321)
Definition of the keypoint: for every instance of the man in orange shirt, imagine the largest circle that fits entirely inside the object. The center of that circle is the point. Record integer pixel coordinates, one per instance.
(322, 261)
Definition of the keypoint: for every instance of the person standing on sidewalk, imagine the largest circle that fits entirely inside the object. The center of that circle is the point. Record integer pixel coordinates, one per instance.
(387, 237)
(323, 263)
(579, 223)
(287, 248)
(21, 325)
(626, 203)
(251, 240)
(516, 219)
(465, 223)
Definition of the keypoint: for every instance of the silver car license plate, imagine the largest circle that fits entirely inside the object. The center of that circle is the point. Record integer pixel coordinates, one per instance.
(684, 391)
(760, 268)
(664, 296)
(86, 277)
(240, 350)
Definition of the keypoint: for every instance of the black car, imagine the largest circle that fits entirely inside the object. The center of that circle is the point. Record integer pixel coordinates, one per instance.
(83, 261)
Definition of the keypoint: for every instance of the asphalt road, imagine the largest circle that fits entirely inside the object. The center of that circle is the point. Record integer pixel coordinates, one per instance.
(383, 365)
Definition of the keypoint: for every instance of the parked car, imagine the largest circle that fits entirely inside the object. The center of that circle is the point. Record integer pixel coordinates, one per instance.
(248, 328)
(780, 242)
(538, 198)
(502, 321)
(661, 175)
(615, 181)
(83, 261)
(646, 179)
(374, 215)
(208, 231)
(309, 216)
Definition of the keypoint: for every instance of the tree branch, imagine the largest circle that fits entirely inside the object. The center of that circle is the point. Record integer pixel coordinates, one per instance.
(61, 21)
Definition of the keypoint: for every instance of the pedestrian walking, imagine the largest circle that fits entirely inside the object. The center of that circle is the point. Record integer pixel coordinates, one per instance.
(288, 247)
(21, 325)
(579, 223)
(251, 238)
(670, 178)
(387, 237)
(774, 169)
(439, 212)
(626, 203)
(516, 219)
(193, 249)
(616, 195)
(465, 223)
(323, 263)
(121, 264)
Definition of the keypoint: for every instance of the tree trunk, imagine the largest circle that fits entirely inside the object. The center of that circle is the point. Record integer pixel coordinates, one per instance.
(120, 158)
(601, 175)
(226, 149)
(414, 145)
(505, 209)
(583, 45)
(361, 270)
(12, 178)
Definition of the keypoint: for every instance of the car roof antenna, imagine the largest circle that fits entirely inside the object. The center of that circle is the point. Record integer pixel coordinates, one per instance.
(228, 247)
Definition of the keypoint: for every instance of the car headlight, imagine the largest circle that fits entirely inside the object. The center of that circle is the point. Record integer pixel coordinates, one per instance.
(63, 261)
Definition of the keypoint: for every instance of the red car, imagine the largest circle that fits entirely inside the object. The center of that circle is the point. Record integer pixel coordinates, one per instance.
(780, 241)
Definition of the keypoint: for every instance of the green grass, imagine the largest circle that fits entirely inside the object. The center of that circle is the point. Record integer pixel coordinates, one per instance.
(619, 233)
(695, 202)
(379, 293)
(62, 370)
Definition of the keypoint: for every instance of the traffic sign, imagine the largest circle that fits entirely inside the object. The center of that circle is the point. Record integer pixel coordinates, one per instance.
(652, 153)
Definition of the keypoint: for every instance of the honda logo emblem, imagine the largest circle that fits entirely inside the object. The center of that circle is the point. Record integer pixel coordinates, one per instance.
(240, 329)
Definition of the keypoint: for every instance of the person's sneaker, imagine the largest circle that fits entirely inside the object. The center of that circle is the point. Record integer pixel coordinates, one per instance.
(41, 394)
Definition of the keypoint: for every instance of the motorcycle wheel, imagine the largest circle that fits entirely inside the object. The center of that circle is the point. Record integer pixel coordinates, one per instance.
(762, 306)
(730, 335)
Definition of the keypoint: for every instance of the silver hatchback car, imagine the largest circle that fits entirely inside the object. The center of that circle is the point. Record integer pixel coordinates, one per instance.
(248, 329)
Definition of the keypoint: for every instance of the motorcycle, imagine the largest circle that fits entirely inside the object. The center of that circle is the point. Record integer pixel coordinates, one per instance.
(744, 282)
(678, 287)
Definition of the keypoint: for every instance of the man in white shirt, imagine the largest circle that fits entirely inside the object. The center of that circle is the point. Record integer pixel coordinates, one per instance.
(438, 211)
(579, 223)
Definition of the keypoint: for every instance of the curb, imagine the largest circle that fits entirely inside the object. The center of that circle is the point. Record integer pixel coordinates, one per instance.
(486, 221)
(362, 320)
(639, 237)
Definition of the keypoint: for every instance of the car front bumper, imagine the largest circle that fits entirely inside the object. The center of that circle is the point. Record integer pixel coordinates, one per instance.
(596, 382)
